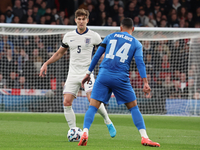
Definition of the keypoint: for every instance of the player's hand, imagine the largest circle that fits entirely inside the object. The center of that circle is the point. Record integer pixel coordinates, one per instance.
(43, 69)
(85, 79)
(147, 90)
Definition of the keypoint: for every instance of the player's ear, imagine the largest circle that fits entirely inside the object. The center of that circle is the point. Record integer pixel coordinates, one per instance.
(133, 29)
(120, 28)
(75, 19)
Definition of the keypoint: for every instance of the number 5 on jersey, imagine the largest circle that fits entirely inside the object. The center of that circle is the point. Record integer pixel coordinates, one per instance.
(122, 52)
(79, 49)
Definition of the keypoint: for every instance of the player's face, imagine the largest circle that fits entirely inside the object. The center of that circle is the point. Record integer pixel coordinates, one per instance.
(81, 22)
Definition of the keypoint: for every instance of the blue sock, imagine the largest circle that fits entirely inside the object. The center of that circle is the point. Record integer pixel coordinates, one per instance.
(89, 117)
(137, 118)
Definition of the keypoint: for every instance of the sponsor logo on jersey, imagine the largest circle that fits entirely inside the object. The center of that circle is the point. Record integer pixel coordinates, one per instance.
(72, 40)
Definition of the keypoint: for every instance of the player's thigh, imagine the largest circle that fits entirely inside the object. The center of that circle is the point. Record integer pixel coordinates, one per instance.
(101, 92)
(72, 85)
(89, 86)
(124, 93)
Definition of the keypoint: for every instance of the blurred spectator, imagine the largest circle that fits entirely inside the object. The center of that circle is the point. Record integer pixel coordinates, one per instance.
(183, 81)
(114, 11)
(37, 59)
(152, 22)
(149, 64)
(109, 21)
(143, 18)
(15, 19)
(107, 4)
(148, 7)
(9, 16)
(156, 8)
(131, 12)
(158, 18)
(61, 17)
(12, 80)
(30, 20)
(102, 19)
(2, 18)
(18, 10)
(42, 9)
(42, 20)
(29, 14)
(36, 17)
(163, 23)
(163, 6)
(168, 85)
(22, 83)
(66, 21)
(182, 23)
(114, 23)
(136, 22)
(197, 15)
(171, 12)
(176, 90)
(165, 64)
(176, 5)
(182, 15)
(85, 4)
(54, 13)
(92, 16)
(173, 22)
(4, 4)
(120, 3)
(5, 43)
(22, 58)
(189, 90)
(38, 3)
(150, 81)
(147, 48)
(176, 75)
(196, 96)
(134, 5)
(176, 58)
(30, 4)
(190, 20)
(2, 82)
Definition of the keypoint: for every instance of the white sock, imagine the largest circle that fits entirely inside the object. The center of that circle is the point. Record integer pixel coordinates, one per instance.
(86, 130)
(143, 133)
(70, 116)
(102, 111)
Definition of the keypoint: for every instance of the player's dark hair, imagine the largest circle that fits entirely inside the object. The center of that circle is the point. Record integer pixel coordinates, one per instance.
(127, 23)
(82, 12)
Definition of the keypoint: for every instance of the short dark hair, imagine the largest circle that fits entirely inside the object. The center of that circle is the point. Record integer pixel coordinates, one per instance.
(127, 23)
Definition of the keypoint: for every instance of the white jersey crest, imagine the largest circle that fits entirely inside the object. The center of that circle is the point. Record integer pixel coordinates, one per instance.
(81, 47)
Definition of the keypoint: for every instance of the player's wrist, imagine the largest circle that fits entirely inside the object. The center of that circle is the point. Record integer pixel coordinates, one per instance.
(88, 72)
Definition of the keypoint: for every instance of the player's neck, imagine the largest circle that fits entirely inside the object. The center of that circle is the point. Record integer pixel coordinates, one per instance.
(81, 31)
(128, 31)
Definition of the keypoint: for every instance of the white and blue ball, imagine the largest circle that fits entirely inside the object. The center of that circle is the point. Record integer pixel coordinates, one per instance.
(74, 134)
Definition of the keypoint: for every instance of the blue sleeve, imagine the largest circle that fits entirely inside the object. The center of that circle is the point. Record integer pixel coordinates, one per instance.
(96, 57)
(139, 60)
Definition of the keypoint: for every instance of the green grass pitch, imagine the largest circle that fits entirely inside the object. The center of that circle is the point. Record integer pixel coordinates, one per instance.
(27, 131)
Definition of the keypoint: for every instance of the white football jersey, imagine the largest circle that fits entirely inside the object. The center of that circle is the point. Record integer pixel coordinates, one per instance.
(81, 47)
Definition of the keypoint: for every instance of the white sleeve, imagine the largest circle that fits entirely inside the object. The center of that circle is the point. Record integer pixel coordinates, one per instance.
(97, 39)
(64, 40)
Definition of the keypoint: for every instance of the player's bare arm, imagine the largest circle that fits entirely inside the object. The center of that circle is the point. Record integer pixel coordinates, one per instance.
(56, 56)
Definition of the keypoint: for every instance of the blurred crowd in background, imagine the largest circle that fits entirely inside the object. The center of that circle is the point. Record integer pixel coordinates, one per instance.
(166, 61)
(146, 13)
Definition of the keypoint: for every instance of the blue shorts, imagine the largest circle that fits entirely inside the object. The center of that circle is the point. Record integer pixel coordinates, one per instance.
(105, 84)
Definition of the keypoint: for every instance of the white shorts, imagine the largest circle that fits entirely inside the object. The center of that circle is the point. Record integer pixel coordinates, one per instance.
(73, 84)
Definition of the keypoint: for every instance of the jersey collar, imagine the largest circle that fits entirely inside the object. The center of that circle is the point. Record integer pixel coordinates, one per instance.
(83, 32)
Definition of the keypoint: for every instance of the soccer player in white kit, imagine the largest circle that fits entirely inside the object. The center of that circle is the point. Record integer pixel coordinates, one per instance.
(80, 43)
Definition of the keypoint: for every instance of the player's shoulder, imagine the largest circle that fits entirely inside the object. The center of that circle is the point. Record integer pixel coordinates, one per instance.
(70, 33)
(93, 32)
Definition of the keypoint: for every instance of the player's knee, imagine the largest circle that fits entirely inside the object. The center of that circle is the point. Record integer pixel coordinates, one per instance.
(67, 102)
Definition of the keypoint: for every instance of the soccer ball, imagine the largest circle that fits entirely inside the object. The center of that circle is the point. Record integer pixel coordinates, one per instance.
(74, 134)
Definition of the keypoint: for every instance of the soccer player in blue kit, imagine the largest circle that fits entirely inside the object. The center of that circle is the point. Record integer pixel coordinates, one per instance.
(119, 49)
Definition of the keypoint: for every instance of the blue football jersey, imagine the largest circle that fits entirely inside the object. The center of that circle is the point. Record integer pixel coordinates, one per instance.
(121, 47)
